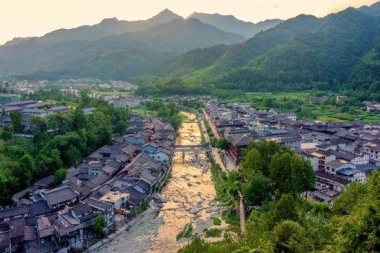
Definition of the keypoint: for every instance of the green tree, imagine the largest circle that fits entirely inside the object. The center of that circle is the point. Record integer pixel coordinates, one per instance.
(37, 123)
(99, 225)
(359, 230)
(252, 161)
(17, 121)
(40, 139)
(258, 189)
(79, 119)
(291, 173)
(6, 135)
(283, 209)
(120, 127)
(85, 99)
(286, 237)
(223, 143)
(354, 193)
(59, 176)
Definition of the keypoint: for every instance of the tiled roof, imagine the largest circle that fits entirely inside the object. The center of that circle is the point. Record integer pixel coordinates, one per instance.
(14, 211)
(135, 197)
(60, 195)
(332, 177)
(38, 208)
(334, 164)
(99, 204)
(30, 233)
(17, 227)
(5, 235)
(45, 182)
(81, 209)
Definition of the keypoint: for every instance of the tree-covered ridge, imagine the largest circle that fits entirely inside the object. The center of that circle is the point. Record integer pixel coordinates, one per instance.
(285, 222)
(191, 61)
(117, 57)
(231, 24)
(336, 53)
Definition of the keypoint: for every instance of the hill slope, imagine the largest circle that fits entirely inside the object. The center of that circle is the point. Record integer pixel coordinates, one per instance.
(338, 52)
(327, 54)
(117, 56)
(231, 24)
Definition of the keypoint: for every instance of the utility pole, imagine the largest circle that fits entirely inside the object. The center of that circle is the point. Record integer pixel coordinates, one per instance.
(241, 213)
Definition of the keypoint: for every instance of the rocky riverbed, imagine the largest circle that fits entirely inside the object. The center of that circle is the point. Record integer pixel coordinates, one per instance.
(189, 198)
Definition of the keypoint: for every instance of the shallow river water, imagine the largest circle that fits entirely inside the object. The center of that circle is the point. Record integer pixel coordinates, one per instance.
(190, 193)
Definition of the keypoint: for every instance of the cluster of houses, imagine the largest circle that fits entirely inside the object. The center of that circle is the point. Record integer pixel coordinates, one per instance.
(27, 108)
(339, 152)
(111, 182)
(124, 101)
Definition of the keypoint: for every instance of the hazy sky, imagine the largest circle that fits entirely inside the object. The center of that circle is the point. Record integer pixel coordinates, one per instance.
(23, 18)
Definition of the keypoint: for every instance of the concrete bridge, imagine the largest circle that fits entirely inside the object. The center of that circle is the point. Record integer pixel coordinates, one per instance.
(192, 148)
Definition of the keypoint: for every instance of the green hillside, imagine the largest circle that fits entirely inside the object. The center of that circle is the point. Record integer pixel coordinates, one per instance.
(117, 57)
(339, 52)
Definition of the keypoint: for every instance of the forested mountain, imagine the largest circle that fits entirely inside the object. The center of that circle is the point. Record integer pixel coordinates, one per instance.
(337, 52)
(91, 52)
(372, 10)
(231, 24)
(326, 54)
(105, 28)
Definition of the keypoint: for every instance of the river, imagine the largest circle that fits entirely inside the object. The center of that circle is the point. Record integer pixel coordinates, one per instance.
(190, 193)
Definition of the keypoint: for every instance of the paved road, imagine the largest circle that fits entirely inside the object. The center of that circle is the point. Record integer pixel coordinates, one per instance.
(215, 132)
(230, 165)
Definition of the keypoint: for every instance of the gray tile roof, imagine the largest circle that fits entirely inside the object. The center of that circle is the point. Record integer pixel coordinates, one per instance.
(81, 209)
(17, 227)
(14, 211)
(45, 182)
(60, 195)
(5, 235)
(30, 233)
(99, 204)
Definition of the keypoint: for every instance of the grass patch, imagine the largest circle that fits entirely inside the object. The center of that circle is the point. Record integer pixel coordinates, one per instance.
(231, 218)
(186, 232)
(216, 221)
(223, 196)
(213, 232)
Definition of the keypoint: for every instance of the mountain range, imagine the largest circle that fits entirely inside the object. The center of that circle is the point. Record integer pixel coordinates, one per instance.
(168, 54)
(231, 24)
(338, 52)
(115, 49)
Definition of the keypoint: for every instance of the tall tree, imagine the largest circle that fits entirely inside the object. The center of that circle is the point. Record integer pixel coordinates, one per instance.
(223, 143)
(99, 225)
(120, 127)
(291, 173)
(59, 176)
(283, 209)
(258, 188)
(17, 121)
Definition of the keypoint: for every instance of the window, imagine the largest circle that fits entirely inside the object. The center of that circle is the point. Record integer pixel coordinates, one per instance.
(333, 170)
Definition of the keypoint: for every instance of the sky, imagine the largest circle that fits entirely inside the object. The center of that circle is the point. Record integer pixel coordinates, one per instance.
(26, 18)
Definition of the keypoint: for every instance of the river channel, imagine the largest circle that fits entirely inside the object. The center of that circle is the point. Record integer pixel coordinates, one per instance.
(190, 192)
(190, 198)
